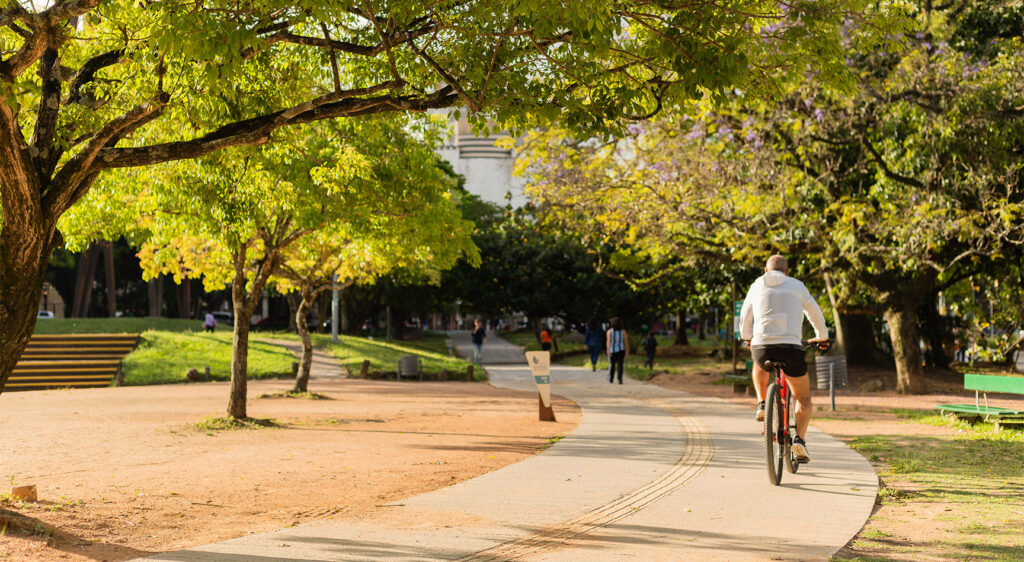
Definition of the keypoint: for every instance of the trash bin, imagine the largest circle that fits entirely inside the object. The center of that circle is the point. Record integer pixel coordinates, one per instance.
(410, 366)
(824, 365)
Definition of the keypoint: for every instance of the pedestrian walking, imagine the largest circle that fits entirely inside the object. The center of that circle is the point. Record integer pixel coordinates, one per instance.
(650, 345)
(594, 340)
(479, 338)
(209, 322)
(546, 339)
(618, 347)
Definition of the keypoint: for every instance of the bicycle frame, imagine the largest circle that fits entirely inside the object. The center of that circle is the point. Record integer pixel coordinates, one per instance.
(778, 429)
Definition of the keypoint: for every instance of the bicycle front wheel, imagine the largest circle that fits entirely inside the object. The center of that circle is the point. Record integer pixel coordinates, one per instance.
(774, 434)
(787, 452)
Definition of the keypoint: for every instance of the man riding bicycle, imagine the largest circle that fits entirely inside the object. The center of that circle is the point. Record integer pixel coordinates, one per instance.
(771, 320)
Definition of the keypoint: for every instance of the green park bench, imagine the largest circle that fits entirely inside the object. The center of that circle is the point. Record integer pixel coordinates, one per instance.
(982, 385)
(742, 383)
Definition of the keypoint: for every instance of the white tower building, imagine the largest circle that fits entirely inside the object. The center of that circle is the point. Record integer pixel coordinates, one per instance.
(487, 167)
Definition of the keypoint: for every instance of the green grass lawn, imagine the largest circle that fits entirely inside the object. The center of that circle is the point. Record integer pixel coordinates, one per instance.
(974, 479)
(164, 357)
(118, 325)
(351, 351)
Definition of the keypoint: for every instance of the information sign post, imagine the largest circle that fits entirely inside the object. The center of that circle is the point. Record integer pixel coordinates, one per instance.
(540, 368)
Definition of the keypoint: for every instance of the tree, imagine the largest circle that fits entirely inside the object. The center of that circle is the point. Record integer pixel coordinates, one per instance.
(406, 218)
(89, 86)
(231, 217)
(907, 187)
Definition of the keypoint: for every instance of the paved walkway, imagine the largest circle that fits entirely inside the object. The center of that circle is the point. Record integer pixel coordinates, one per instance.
(649, 474)
(324, 366)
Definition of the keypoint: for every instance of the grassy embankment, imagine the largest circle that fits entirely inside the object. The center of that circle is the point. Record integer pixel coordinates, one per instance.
(168, 348)
(383, 355)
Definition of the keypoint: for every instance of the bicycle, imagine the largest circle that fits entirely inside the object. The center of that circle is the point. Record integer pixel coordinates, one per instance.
(779, 424)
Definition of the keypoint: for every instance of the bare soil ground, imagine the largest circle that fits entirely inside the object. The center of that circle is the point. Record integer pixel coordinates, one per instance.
(125, 472)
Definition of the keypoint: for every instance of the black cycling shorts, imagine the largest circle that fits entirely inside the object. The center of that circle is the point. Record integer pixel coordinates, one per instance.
(790, 355)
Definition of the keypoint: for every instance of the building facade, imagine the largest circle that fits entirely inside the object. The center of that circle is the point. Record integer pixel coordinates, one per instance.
(486, 166)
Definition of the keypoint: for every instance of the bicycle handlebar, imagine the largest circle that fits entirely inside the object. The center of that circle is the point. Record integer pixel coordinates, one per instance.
(819, 345)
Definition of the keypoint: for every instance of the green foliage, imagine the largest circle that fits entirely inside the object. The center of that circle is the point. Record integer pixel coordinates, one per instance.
(532, 268)
(166, 357)
(906, 186)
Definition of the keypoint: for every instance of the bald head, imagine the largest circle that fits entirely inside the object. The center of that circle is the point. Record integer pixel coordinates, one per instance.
(777, 263)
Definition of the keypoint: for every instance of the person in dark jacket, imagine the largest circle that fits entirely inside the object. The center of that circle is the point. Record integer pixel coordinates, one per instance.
(479, 338)
(594, 340)
(650, 345)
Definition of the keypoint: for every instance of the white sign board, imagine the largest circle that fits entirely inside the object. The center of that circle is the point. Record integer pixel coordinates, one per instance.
(540, 367)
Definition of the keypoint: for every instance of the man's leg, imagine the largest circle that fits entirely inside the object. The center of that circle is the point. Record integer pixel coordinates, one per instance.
(760, 378)
(801, 389)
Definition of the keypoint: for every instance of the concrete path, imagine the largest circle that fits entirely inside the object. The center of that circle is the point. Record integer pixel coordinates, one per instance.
(649, 474)
(324, 365)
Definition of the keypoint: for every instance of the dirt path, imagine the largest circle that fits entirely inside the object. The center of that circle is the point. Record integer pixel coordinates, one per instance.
(121, 474)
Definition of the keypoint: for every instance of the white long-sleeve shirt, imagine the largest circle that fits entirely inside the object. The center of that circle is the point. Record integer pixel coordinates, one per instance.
(773, 311)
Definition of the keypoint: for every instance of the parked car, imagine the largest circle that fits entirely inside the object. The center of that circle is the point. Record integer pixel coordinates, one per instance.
(223, 317)
(44, 314)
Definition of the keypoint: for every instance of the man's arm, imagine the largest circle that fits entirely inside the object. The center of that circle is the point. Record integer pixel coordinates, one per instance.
(813, 313)
(747, 316)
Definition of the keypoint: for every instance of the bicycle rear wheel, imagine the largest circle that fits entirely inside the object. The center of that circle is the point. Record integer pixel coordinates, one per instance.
(774, 443)
(791, 465)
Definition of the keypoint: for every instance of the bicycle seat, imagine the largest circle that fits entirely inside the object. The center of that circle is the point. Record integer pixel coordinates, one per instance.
(774, 365)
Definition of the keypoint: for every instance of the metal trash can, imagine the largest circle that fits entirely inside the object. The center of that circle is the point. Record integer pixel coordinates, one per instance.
(410, 366)
(826, 365)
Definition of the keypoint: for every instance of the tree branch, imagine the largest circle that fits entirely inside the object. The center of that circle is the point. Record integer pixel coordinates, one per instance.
(60, 195)
(885, 167)
(46, 119)
(258, 129)
(85, 74)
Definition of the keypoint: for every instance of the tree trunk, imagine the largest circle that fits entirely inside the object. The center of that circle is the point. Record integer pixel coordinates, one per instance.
(108, 274)
(934, 327)
(156, 296)
(23, 260)
(681, 328)
(239, 348)
(293, 301)
(306, 362)
(840, 347)
(90, 279)
(244, 305)
(860, 345)
(82, 281)
(902, 319)
(701, 332)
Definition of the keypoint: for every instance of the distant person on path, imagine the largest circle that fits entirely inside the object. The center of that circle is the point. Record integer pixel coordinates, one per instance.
(479, 338)
(618, 347)
(772, 320)
(546, 339)
(593, 340)
(209, 322)
(650, 345)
